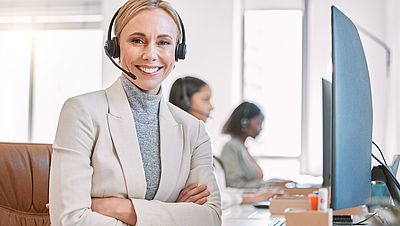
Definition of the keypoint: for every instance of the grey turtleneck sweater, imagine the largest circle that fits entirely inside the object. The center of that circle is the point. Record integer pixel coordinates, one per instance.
(145, 113)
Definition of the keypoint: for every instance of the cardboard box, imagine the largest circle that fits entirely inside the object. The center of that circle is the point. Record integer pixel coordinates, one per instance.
(308, 218)
(279, 204)
(300, 191)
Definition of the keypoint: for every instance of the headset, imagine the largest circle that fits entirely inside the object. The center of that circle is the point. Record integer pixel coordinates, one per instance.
(186, 103)
(112, 49)
(245, 121)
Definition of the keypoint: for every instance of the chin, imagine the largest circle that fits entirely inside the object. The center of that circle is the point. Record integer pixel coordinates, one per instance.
(147, 86)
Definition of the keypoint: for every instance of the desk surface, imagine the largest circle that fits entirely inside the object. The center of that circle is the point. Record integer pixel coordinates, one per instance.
(247, 215)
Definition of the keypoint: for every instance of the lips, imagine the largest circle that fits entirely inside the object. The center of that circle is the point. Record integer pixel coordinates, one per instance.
(148, 70)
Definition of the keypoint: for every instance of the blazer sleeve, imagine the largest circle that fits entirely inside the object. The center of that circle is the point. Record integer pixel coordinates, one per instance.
(71, 172)
(182, 214)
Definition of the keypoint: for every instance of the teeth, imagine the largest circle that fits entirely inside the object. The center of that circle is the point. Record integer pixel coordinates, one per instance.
(149, 69)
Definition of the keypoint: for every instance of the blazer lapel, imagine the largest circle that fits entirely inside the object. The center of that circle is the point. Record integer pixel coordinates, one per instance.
(123, 133)
(171, 147)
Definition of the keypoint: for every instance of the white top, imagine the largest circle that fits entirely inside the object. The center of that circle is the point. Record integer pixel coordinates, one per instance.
(229, 196)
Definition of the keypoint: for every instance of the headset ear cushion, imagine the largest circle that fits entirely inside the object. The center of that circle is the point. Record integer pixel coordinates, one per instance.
(244, 123)
(112, 47)
(186, 103)
(180, 51)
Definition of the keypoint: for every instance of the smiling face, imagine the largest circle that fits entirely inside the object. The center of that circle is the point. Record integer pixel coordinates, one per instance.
(147, 44)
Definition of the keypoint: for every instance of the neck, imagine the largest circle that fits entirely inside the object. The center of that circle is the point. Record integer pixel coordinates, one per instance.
(154, 91)
(241, 137)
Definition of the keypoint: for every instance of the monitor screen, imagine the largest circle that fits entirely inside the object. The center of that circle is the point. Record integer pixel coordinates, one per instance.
(351, 116)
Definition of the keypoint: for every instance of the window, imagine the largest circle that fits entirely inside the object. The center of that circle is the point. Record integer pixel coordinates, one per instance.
(273, 80)
(45, 60)
(14, 85)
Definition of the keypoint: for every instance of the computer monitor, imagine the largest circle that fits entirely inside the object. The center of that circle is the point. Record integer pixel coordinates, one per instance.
(326, 131)
(351, 116)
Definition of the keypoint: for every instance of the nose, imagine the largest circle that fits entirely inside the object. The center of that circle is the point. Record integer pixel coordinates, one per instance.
(150, 52)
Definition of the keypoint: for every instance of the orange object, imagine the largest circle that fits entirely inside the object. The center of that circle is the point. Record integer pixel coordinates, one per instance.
(313, 201)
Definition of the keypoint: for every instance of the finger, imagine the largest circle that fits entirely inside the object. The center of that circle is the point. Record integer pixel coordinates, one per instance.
(199, 196)
(95, 204)
(188, 188)
(185, 196)
(185, 190)
(201, 201)
(193, 192)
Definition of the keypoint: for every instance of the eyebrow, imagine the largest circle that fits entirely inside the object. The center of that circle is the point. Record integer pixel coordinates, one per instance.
(143, 35)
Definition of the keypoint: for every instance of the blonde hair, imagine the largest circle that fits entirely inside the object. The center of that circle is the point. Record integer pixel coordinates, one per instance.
(132, 7)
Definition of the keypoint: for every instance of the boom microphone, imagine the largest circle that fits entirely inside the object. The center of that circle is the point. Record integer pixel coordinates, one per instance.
(130, 74)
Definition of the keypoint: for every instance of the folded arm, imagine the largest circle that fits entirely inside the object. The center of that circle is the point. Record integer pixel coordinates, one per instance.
(123, 209)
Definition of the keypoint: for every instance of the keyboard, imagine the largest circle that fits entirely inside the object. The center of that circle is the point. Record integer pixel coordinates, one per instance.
(279, 222)
(342, 220)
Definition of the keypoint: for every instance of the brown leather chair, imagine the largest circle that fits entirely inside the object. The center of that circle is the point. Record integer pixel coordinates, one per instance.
(24, 184)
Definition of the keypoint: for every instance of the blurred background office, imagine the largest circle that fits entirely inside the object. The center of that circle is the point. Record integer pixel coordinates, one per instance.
(273, 53)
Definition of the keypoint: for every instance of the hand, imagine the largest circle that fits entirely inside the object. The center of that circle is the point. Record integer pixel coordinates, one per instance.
(263, 195)
(194, 193)
(118, 208)
(273, 192)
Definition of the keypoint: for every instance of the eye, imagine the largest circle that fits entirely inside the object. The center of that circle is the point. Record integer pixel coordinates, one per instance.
(164, 43)
(206, 99)
(137, 41)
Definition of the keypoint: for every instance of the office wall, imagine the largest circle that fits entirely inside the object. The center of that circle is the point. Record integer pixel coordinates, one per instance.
(393, 40)
(210, 38)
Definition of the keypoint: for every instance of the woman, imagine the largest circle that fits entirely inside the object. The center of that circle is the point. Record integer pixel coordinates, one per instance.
(241, 169)
(124, 156)
(194, 96)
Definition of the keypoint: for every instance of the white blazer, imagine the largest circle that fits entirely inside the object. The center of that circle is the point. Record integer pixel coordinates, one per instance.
(96, 154)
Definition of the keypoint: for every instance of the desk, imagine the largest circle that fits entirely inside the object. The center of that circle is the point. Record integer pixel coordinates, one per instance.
(247, 215)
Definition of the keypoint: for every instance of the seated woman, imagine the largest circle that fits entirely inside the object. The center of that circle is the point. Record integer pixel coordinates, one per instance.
(194, 96)
(241, 169)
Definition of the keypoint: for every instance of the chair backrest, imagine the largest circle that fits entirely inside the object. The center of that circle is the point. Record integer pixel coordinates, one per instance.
(219, 172)
(24, 184)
